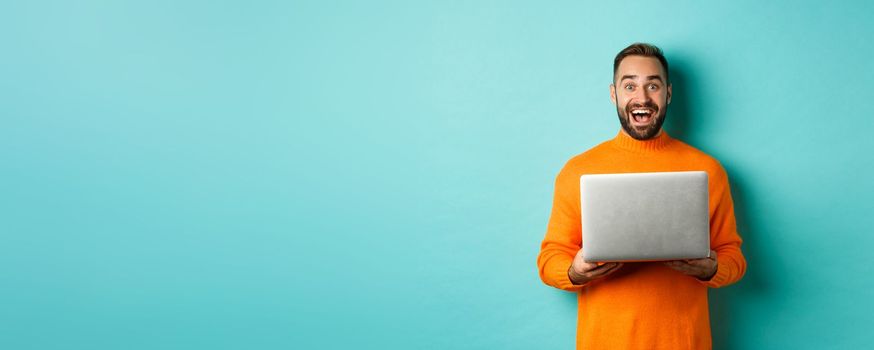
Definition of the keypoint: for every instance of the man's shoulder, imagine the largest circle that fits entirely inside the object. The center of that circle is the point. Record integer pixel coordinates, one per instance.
(699, 160)
(586, 162)
(693, 154)
(590, 156)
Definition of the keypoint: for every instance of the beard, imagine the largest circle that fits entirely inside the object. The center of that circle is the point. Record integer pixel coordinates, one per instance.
(642, 133)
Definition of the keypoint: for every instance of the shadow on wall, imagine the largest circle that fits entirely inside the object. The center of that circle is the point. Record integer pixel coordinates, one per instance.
(678, 122)
(726, 302)
(684, 112)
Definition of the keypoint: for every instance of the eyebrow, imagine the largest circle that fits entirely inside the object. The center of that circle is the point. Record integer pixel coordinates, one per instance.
(651, 77)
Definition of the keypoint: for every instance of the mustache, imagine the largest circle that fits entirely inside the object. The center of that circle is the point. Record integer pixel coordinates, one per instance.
(649, 105)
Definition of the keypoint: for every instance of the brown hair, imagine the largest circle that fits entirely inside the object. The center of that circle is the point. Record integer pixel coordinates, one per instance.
(641, 49)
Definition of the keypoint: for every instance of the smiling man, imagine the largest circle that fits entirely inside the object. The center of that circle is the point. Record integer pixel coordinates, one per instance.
(650, 305)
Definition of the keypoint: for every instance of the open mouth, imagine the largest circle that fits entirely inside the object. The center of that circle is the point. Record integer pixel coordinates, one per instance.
(642, 116)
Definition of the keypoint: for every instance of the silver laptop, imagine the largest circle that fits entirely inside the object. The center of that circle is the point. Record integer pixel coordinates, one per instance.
(645, 216)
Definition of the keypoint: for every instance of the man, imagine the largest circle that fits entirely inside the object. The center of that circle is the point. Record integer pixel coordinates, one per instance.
(648, 305)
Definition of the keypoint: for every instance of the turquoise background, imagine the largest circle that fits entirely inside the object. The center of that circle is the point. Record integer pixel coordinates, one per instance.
(378, 175)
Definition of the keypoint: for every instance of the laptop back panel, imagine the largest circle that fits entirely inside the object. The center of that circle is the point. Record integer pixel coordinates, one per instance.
(645, 216)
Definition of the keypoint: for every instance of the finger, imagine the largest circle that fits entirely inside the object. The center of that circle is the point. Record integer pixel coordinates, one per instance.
(678, 268)
(674, 263)
(603, 269)
(703, 263)
(589, 267)
(679, 265)
(689, 269)
(696, 262)
(613, 269)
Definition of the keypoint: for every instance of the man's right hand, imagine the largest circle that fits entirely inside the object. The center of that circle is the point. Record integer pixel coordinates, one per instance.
(582, 272)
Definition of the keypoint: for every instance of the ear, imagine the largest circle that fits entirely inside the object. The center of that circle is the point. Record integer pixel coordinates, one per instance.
(670, 92)
(613, 93)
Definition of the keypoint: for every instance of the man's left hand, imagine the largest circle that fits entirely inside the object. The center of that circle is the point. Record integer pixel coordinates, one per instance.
(703, 269)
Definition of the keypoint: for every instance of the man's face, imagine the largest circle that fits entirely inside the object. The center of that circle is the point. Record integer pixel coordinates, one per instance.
(641, 96)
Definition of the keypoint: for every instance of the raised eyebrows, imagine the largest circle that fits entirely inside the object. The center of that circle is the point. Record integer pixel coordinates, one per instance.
(650, 77)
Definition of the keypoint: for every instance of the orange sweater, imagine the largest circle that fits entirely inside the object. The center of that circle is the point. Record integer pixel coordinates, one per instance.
(642, 305)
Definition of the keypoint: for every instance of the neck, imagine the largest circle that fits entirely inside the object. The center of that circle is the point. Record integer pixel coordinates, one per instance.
(653, 144)
(656, 135)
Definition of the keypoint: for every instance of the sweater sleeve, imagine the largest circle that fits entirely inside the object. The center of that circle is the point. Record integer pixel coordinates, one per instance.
(724, 239)
(563, 234)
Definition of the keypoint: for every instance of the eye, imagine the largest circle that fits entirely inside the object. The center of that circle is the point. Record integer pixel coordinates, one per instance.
(653, 87)
(629, 87)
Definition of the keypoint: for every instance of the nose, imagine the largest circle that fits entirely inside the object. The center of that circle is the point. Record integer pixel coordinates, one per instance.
(642, 95)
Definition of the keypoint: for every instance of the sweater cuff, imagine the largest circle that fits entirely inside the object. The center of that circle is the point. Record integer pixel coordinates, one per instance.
(564, 281)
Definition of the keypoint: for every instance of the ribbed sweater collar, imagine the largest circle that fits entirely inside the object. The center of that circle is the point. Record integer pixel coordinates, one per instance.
(654, 144)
